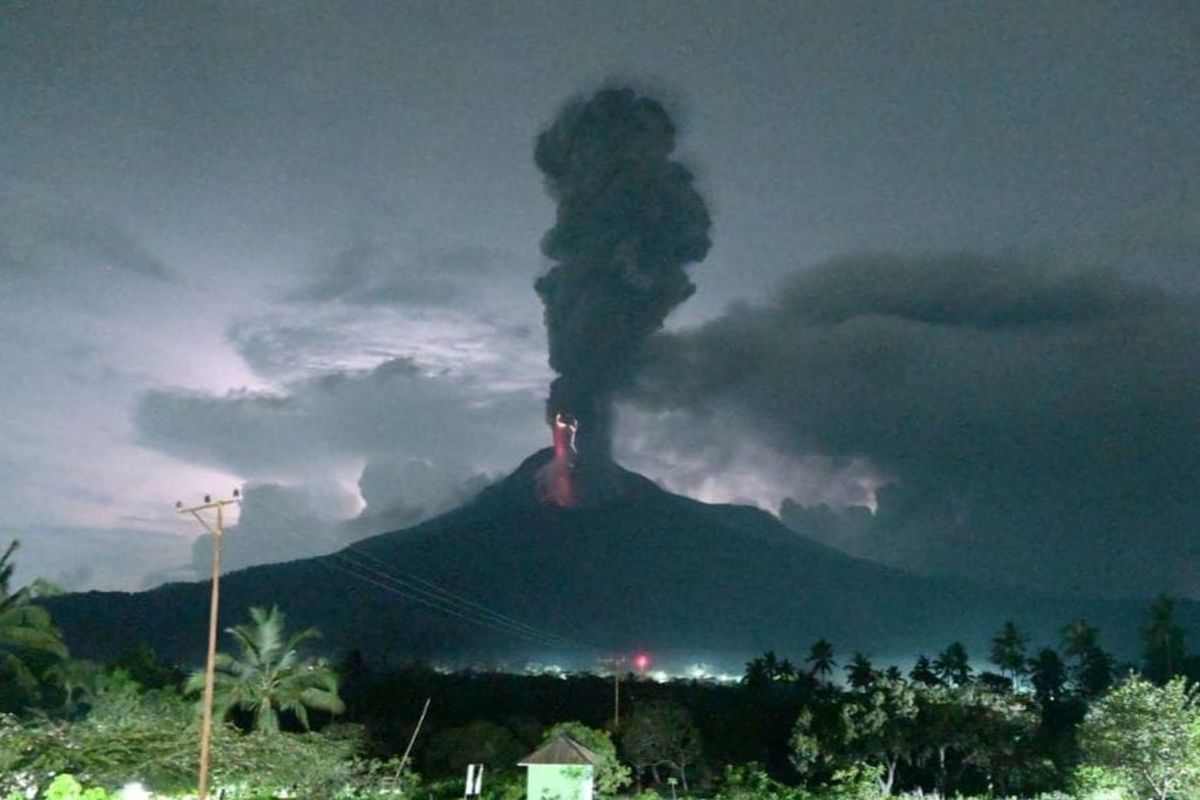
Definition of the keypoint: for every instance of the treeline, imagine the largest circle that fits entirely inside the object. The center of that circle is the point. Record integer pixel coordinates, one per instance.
(1005, 723)
(1020, 720)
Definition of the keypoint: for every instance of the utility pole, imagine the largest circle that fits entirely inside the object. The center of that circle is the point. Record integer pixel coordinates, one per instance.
(217, 532)
(616, 662)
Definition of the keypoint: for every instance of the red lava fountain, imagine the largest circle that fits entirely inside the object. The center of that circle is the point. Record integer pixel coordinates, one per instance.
(554, 479)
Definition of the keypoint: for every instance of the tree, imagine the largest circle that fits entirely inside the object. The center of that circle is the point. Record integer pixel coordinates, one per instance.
(1048, 674)
(804, 747)
(953, 666)
(968, 726)
(922, 672)
(767, 669)
(26, 629)
(611, 774)
(1163, 639)
(1008, 651)
(879, 725)
(661, 734)
(1092, 669)
(860, 673)
(820, 656)
(1149, 734)
(479, 742)
(270, 676)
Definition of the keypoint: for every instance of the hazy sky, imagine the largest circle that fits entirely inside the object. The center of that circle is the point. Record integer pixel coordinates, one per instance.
(291, 246)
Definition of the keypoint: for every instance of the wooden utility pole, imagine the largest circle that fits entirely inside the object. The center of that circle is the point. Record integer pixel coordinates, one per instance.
(217, 532)
(617, 663)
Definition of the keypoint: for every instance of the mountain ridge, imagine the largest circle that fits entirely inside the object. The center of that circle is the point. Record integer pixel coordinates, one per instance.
(632, 567)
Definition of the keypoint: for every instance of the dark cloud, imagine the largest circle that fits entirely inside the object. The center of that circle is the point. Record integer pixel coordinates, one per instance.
(1040, 425)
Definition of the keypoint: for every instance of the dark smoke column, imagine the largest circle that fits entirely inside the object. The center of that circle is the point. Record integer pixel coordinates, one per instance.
(628, 222)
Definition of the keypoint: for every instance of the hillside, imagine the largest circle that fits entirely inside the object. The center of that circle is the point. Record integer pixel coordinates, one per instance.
(633, 566)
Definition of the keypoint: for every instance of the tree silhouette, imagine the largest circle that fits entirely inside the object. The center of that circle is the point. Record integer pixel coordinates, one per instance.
(1048, 674)
(767, 669)
(953, 666)
(859, 672)
(820, 657)
(1092, 669)
(922, 672)
(1163, 640)
(270, 677)
(1008, 651)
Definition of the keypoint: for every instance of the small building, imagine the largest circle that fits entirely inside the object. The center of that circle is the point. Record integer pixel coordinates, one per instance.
(562, 770)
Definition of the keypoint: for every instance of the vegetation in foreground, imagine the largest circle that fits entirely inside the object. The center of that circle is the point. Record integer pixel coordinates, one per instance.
(1054, 723)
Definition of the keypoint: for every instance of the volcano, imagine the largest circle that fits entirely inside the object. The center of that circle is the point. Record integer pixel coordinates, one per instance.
(634, 566)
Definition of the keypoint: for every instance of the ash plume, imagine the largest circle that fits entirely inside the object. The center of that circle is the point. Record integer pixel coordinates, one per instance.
(628, 222)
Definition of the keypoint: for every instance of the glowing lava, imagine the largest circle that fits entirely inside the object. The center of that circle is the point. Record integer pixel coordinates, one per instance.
(554, 480)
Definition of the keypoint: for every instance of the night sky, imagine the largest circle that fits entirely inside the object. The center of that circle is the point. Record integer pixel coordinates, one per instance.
(948, 322)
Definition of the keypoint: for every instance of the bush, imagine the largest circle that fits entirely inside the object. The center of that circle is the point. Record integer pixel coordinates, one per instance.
(1090, 782)
(751, 782)
(856, 782)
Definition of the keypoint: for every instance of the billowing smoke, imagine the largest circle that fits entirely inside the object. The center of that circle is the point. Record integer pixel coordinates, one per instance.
(629, 221)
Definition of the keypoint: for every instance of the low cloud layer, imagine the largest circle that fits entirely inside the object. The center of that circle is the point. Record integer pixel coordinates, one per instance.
(1039, 425)
(345, 454)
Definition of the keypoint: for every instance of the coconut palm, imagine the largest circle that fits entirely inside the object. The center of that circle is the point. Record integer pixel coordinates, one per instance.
(270, 676)
(860, 673)
(820, 656)
(25, 628)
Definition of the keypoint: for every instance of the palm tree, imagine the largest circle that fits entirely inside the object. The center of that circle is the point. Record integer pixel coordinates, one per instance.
(860, 673)
(953, 666)
(270, 677)
(1008, 651)
(1048, 674)
(1164, 641)
(922, 672)
(1093, 670)
(25, 628)
(820, 656)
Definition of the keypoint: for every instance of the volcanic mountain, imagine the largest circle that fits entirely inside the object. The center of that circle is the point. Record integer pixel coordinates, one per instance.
(506, 578)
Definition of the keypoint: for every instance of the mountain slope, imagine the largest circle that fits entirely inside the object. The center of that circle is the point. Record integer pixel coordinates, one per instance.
(634, 566)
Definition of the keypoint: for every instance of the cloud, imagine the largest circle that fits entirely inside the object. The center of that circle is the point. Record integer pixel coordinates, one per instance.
(406, 443)
(39, 234)
(277, 523)
(281, 523)
(80, 558)
(1040, 424)
(375, 270)
(351, 416)
(717, 458)
(402, 492)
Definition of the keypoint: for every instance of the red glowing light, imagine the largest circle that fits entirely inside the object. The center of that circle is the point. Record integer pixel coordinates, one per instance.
(641, 661)
(564, 435)
(554, 478)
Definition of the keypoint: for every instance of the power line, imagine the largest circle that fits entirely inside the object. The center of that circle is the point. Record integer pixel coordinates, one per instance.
(486, 618)
(429, 594)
